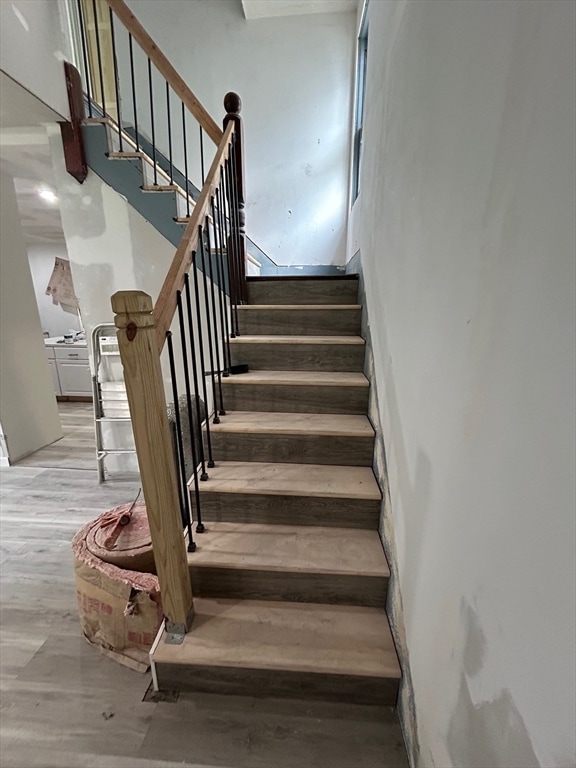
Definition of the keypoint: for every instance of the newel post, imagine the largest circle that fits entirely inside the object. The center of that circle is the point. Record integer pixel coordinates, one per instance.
(233, 106)
(145, 389)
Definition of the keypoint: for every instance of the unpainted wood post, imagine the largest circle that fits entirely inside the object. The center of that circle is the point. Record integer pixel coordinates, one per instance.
(233, 106)
(144, 386)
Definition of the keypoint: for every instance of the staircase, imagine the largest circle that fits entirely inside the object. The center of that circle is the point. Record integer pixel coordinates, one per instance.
(290, 578)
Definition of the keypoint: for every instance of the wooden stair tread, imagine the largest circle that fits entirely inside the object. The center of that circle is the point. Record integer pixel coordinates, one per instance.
(290, 548)
(264, 422)
(283, 636)
(324, 480)
(135, 155)
(299, 378)
(303, 278)
(303, 307)
(263, 339)
(160, 188)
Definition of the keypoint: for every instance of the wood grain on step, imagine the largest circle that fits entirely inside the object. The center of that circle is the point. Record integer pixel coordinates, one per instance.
(295, 424)
(294, 563)
(317, 392)
(276, 509)
(297, 320)
(307, 341)
(302, 291)
(314, 549)
(249, 634)
(346, 450)
(299, 399)
(293, 480)
(298, 356)
(299, 379)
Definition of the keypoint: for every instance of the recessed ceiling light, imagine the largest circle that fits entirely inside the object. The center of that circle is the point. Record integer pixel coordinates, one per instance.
(48, 195)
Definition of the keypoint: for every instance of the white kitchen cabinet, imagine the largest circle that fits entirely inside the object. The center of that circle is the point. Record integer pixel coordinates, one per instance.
(70, 369)
(74, 378)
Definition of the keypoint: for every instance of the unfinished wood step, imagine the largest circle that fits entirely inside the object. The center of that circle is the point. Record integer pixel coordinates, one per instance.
(303, 290)
(299, 353)
(300, 320)
(291, 494)
(303, 438)
(263, 648)
(285, 562)
(297, 391)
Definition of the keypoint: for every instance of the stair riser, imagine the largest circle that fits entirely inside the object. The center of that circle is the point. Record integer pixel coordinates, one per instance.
(294, 399)
(300, 322)
(288, 510)
(301, 291)
(268, 683)
(240, 584)
(299, 357)
(294, 449)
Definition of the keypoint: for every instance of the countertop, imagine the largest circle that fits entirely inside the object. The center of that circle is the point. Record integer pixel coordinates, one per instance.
(58, 341)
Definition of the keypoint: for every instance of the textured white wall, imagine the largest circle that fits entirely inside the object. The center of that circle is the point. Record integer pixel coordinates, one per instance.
(33, 45)
(52, 317)
(466, 229)
(294, 75)
(27, 404)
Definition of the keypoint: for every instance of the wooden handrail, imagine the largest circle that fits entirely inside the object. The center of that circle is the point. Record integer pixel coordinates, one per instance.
(166, 303)
(166, 69)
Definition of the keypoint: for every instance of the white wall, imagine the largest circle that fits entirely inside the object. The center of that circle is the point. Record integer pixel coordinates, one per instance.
(294, 75)
(52, 317)
(33, 47)
(466, 229)
(28, 409)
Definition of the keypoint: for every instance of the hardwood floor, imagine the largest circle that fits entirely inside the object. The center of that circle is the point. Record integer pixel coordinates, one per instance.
(63, 705)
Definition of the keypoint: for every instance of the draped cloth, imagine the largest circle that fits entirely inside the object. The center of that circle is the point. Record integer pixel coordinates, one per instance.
(61, 287)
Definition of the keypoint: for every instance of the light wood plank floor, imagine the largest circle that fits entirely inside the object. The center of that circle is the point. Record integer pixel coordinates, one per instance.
(63, 705)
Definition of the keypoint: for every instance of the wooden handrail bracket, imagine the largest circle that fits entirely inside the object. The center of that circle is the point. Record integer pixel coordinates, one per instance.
(166, 69)
(165, 306)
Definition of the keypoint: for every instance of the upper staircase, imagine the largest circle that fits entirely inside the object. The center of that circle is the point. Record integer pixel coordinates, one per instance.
(290, 577)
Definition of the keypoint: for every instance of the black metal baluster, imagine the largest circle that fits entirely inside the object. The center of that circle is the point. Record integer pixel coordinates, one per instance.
(152, 119)
(174, 440)
(85, 57)
(169, 133)
(202, 154)
(236, 220)
(232, 250)
(116, 80)
(182, 473)
(185, 159)
(227, 261)
(204, 475)
(217, 218)
(199, 525)
(202, 362)
(133, 79)
(97, 31)
(208, 323)
(222, 410)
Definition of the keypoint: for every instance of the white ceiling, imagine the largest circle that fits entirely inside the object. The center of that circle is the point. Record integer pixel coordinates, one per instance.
(261, 9)
(25, 155)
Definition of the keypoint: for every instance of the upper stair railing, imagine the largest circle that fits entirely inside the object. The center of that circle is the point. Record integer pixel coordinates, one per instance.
(180, 345)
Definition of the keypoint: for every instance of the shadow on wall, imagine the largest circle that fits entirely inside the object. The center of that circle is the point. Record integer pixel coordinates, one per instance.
(491, 733)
